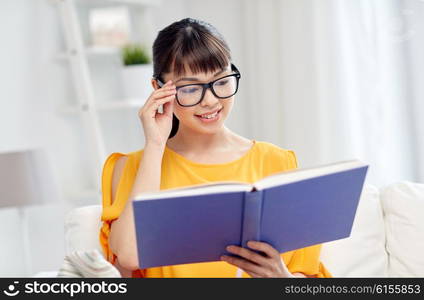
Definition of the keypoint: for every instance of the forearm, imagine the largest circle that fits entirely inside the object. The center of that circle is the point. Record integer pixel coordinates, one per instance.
(149, 172)
(123, 230)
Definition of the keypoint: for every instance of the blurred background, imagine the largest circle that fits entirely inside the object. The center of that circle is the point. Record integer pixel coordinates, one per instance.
(329, 79)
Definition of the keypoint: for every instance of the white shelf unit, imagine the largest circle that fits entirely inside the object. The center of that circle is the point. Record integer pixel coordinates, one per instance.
(92, 51)
(78, 55)
(113, 106)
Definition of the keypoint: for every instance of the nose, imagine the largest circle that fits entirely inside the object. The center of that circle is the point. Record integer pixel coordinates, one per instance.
(209, 99)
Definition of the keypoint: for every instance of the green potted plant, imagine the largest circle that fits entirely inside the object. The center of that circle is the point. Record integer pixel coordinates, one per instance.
(137, 71)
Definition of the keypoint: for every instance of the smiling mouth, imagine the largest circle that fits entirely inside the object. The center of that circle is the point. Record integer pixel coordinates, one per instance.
(203, 116)
(211, 117)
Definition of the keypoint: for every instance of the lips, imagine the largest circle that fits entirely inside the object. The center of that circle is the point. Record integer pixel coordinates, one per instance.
(209, 113)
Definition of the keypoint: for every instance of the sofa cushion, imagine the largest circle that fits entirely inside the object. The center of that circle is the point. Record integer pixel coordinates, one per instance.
(82, 229)
(363, 253)
(403, 205)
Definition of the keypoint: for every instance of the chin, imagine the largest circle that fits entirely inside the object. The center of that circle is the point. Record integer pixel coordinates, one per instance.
(213, 130)
(208, 129)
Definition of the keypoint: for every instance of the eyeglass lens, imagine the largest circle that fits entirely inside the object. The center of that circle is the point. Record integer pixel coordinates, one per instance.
(191, 94)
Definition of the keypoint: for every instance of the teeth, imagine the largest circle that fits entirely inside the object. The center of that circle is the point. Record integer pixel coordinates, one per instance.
(210, 116)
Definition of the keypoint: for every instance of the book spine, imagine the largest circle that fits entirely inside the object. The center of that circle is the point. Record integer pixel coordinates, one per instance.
(252, 213)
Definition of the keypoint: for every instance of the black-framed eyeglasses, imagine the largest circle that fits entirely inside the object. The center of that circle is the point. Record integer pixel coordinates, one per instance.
(222, 88)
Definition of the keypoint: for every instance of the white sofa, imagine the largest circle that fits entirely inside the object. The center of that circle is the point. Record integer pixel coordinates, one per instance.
(386, 239)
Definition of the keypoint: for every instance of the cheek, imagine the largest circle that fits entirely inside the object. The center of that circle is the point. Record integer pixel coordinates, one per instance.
(228, 105)
(183, 113)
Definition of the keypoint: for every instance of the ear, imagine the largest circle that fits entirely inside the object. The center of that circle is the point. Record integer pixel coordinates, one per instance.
(154, 83)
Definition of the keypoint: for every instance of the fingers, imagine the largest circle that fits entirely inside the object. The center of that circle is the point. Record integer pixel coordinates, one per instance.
(162, 93)
(243, 264)
(163, 100)
(157, 98)
(150, 109)
(168, 108)
(166, 92)
(167, 84)
(154, 105)
(263, 247)
(248, 254)
(269, 264)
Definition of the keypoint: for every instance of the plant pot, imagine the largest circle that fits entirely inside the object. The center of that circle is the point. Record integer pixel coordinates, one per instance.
(136, 81)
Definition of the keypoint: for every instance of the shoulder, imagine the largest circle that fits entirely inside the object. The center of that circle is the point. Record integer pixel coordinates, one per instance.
(274, 155)
(124, 156)
(117, 161)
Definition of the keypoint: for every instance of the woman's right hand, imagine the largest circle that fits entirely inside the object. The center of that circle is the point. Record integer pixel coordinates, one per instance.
(156, 126)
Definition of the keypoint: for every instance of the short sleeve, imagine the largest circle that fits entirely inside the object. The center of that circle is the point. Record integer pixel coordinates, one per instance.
(292, 160)
(307, 261)
(278, 160)
(111, 212)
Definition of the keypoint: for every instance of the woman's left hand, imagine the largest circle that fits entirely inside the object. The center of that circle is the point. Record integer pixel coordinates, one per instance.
(256, 265)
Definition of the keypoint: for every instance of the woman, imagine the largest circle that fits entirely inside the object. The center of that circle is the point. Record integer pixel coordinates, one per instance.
(196, 82)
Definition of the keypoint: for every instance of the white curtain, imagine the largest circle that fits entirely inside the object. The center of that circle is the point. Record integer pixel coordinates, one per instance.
(413, 18)
(335, 80)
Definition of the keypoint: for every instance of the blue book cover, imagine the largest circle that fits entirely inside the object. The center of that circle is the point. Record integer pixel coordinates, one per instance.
(288, 210)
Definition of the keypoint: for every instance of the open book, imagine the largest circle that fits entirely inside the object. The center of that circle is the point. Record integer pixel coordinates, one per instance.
(288, 210)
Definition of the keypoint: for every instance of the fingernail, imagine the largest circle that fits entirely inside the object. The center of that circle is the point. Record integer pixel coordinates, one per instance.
(223, 257)
(229, 248)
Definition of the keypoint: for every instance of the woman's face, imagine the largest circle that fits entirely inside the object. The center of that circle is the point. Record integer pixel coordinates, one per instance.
(189, 117)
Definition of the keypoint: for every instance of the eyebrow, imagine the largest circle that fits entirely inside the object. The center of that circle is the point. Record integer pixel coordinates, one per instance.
(196, 79)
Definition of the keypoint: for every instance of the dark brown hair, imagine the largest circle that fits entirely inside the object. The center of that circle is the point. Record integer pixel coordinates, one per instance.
(189, 43)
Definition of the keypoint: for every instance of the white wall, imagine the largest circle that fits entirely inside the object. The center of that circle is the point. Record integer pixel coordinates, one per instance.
(28, 31)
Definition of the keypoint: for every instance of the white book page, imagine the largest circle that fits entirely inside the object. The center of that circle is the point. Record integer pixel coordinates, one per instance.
(301, 174)
(200, 189)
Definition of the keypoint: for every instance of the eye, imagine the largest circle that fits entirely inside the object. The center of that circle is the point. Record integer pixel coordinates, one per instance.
(189, 89)
(222, 82)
